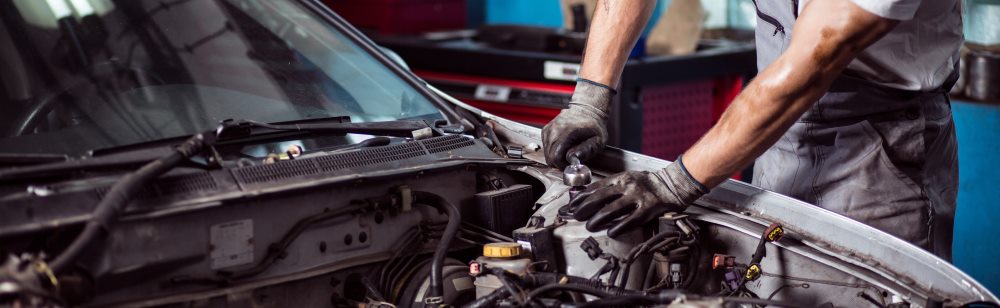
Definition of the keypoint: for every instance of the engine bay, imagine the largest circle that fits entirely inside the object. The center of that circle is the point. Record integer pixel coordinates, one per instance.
(347, 181)
(434, 221)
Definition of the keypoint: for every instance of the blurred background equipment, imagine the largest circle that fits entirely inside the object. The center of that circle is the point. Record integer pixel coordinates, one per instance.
(976, 108)
(388, 17)
(522, 65)
(678, 31)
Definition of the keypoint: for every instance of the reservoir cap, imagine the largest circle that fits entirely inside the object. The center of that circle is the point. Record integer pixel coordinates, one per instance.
(502, 250)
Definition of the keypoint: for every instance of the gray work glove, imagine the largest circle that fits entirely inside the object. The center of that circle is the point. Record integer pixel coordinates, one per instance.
(629, 199)
(581, 128)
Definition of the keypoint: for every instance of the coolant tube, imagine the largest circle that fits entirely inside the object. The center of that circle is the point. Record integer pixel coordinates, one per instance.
(454, 220)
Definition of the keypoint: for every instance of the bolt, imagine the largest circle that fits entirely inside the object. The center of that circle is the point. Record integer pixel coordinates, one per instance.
(294, 151)
(271, 158)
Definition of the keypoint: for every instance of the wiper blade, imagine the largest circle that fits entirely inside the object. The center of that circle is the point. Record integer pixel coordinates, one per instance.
(229, 131)
(22, 159)
(239, 129)
(121, 160)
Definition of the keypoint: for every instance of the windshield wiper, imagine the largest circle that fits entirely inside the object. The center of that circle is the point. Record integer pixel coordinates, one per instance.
(23, 159)
(229, 131)
(241, 129)
(120, 160)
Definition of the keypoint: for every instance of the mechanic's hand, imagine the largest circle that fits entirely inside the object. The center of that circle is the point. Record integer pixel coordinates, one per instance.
(629, 199)
(581, 128)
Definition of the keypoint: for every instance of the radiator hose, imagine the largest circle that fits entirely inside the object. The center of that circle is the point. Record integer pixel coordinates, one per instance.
(437, 263)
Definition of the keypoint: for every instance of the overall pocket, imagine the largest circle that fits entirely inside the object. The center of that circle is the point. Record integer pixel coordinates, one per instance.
(859, 179)
(770, 19)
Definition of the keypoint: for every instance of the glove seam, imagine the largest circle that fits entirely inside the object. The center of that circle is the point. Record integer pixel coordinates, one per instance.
(597, 111)
(701, 187)
(607, 87)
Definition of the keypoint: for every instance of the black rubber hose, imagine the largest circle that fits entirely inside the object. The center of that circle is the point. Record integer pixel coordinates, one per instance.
(454, 221)
(650, 273)
(121, 193)
(636, 252)
(490, 300)
(576, 287)
(623, 301)
(627, 269)
(694, 258)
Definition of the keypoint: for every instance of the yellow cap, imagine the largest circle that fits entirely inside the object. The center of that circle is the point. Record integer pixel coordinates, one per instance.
(502, 250)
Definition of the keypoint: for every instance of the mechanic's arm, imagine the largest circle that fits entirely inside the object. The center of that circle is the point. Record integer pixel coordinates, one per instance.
(826, 37)
(582, 128)
(614, 30)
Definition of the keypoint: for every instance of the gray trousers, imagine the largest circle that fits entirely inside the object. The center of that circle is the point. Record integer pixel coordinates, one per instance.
(868, 154)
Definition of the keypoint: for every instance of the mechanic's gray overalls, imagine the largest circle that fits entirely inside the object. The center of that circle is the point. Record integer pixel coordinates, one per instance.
(882, 156)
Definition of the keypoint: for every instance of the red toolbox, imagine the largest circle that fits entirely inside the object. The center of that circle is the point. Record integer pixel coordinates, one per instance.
(663, 106)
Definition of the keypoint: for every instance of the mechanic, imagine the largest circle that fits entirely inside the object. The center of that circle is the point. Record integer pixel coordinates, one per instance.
(849, 111)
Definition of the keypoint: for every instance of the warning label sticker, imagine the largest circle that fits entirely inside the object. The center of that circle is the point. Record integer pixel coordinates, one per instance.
(231, 243)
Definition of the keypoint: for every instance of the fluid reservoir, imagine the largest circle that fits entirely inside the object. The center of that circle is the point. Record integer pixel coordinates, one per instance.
(573, 233)
(503, 255)
(570, 233)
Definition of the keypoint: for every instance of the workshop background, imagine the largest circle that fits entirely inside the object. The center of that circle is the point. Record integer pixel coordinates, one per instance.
(519, 59)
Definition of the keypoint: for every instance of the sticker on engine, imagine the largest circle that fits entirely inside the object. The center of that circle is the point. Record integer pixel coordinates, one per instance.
(231, 243)
(525, 245)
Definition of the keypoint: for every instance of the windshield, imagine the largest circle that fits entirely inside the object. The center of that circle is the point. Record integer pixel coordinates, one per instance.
(79, 75)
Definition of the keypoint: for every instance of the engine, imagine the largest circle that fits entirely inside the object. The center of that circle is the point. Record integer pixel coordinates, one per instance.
(443, 221)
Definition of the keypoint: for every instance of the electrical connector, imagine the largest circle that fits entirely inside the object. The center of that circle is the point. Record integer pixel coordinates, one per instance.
(592, 248)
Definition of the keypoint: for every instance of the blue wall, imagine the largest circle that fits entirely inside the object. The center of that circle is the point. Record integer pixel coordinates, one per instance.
(977, 220)
(545, 13)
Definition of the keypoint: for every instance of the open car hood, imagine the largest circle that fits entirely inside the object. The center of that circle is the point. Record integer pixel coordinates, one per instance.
(909, 272)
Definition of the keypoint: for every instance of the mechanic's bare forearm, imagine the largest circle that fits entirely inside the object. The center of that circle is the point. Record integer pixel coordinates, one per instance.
(613, 32)
(827, 36)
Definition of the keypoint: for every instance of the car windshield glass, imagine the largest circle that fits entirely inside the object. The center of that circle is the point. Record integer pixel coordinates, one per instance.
(79, 75)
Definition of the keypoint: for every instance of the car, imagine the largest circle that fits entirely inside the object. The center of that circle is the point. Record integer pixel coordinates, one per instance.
(265, 153)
